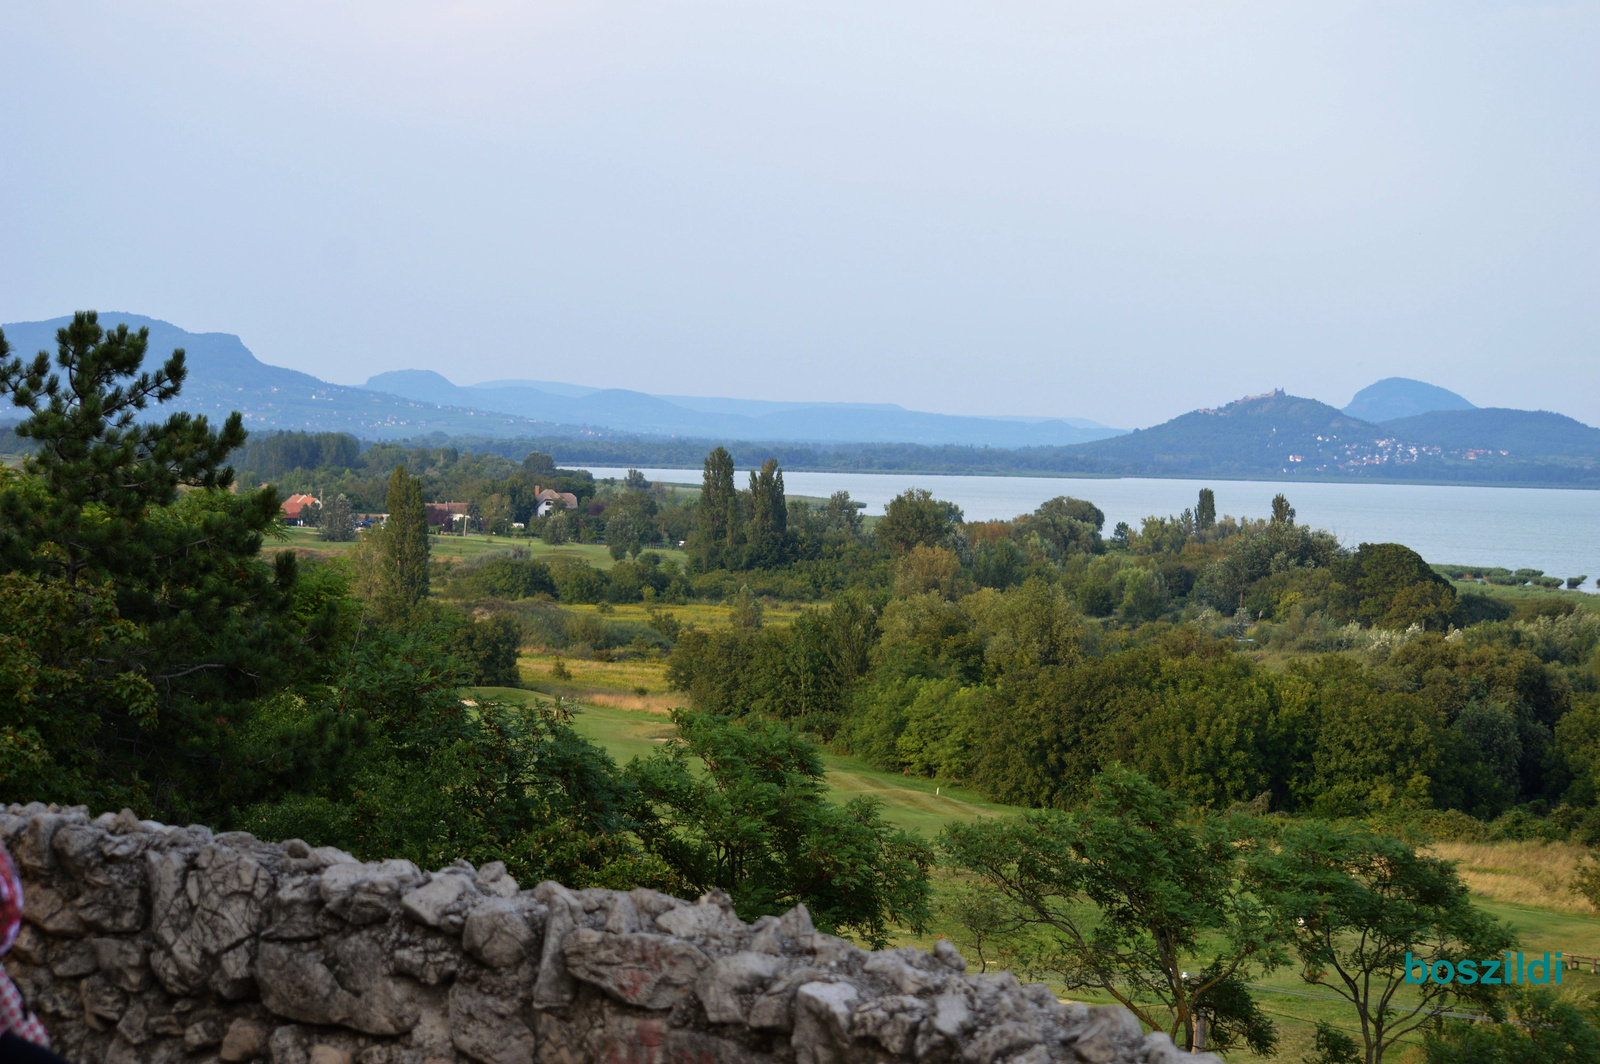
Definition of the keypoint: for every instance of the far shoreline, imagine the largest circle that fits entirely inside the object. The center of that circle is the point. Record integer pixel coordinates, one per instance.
(1195, 478)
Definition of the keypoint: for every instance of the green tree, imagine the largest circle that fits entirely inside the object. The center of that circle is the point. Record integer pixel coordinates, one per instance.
(503, 578)
(1545, 1030)
(744, 807)
(557, 528)
(1253, 556)
(497, 514)
(1373, 749)
(842, 516)
(388, 762)
(744, 611)
(1128, 895)
(405, 544)
(487, 649)
(1205, 512)
(1282, 512)
(538, 464)
(766, 532)
(915, 518)
(622, 535)
(717, 518)
(157, 627)
(66, 658)
(1068, 525)
(1390, 586)
(102, 468)
(337, 522)
(1362, 906)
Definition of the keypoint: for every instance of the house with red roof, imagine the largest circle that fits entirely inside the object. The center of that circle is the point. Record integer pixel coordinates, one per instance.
(294, 508)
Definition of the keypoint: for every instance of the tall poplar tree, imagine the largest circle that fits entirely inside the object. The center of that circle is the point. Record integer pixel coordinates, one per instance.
(405, 543)
(766, 531)
(1205, 514)
(717, 516)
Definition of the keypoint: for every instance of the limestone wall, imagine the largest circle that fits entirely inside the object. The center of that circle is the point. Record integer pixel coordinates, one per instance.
(148, 943)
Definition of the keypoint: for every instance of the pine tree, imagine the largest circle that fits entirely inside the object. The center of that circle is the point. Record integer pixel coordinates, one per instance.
(405, 544)
(144, 626)
(100, 469)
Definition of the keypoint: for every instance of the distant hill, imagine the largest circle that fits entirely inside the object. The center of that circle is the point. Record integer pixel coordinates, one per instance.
(1519, 433)
(1259, 435)
(738, 419)
(224, 376)
(1278, 435)
(1397, 397)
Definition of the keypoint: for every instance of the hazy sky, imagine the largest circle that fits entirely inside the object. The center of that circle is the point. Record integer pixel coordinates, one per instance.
(1117, 210)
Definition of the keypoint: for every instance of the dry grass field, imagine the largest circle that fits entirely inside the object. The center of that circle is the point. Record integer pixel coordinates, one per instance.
(1535, 874)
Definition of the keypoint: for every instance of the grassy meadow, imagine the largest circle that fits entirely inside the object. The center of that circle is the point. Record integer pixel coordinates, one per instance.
(1520, 883)
(451, 549)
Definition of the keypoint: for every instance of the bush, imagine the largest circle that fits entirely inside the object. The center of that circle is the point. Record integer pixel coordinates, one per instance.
(502, 578)
(581, 584)
(488, 648)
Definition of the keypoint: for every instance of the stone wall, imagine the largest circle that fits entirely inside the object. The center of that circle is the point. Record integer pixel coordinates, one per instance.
(148, 943)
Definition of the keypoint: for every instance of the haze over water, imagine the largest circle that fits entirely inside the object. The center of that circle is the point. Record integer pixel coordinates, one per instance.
(1536, 528)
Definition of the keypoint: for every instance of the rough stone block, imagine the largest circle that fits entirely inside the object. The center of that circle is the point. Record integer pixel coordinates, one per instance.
(428, 904)
(646, 971)
(501, 931)
(246, 1040)
(123, 962)
(322, 1053)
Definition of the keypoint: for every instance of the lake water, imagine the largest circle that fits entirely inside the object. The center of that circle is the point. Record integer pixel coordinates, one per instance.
(1535, 528)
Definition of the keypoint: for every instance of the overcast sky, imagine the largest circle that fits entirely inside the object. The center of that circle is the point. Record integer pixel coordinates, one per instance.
(1119, 211)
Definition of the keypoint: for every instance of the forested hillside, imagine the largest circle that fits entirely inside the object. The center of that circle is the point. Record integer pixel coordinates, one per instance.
(1523, 433)
(1261, 434)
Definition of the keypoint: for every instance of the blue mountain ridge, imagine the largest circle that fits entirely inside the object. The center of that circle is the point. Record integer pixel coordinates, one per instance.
(740, 419)
(1398, 397)
(224, 376)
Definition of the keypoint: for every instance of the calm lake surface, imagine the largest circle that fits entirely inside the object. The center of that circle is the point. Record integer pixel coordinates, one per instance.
(1536, 528)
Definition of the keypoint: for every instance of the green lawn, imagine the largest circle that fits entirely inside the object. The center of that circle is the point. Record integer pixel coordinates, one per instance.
(922, 805)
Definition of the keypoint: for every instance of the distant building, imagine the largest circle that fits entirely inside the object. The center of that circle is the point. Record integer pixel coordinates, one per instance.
(295, 505)
(446, 515)
(548, 500)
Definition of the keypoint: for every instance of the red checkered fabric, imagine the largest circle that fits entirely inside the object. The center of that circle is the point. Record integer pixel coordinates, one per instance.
(10, 901)
(14, 1014)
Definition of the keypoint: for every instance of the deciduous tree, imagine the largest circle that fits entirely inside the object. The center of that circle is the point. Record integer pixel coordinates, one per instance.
(1361, 906)
(1138, 897)
(743, 807)
(915, 517)
(337, 522)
